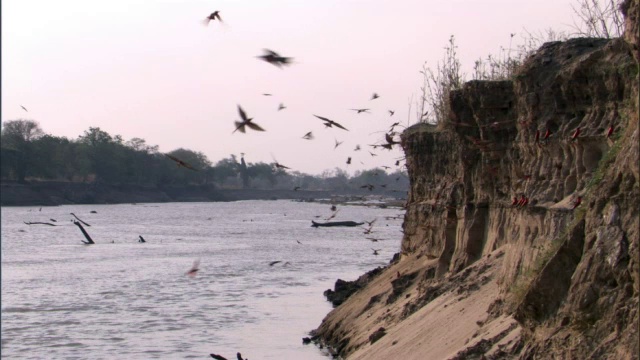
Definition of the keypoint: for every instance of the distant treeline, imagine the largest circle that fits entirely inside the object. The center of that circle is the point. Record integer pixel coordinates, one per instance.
(27, 153)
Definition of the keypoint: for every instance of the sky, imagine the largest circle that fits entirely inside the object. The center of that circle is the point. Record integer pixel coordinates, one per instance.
(153, 70)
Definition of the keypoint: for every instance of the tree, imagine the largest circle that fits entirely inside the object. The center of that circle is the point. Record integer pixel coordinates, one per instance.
(17, 136)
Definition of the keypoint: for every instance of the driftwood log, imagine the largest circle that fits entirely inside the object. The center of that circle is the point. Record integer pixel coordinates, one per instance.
(84, 232)
(40, 223)
(84, 223)
(336, 223)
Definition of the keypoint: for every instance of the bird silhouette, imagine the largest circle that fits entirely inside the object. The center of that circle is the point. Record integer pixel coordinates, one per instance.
(274, 58)
(218, 357)
(357, 148)
(240, 125)
(280, 166)
(361, 110)
(266, 94)
(275, 262)
(24, 108)
(296, 188)
(214, 15)
(334, 208)
(391, 112)
(194, 269)
(375, 251)
(281, 107)
(338, 143)
(308, 136)
(179, 162)
(349, 161)
(330, 123)
(374, 96)
(239, 357)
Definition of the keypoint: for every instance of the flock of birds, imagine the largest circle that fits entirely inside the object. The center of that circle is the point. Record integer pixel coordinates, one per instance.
(246, 122)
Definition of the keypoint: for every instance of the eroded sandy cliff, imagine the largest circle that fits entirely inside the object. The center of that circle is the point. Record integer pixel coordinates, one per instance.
(521, 231)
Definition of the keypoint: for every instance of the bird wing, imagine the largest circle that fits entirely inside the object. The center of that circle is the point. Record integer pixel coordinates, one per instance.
(338, 125)
(243, 115)
(322, 118)
(218, 357)
(271, 52)
(274, 262)
(254, 126)
(239, 126)
(173, 158)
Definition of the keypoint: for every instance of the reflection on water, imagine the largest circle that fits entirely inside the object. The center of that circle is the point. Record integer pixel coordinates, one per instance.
(62, 299)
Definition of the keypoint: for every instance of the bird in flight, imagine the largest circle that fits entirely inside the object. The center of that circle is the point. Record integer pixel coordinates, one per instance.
(280, 166)
(357, 148)
(296, 188)
(274, 58)
(181, 163)
(274, 262)
(375, 251)
(281, 107)
(330, 123)
(240, 125)
(349, 161)
(194, 269)
(24, 108)
(361, 110)
(391, 112)
(338, 143)
(308, 136)
(266, 94)
(374, 96)
(214, 15)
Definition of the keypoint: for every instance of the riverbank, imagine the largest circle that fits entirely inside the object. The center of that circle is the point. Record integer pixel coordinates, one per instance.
(52, 193)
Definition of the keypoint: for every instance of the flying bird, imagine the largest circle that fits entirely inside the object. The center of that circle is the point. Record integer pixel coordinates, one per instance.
(349, 161)
(181, 163)
(240, 125)
(194, 269)
(391, 112)
(357, 148)
(375, 251)
(361, 110)
(280, 166)
(24, 108)
(218, 357)
(308, 136)
(330, 123)
(274, 58)
(338, 143)
(266, 94)
(296, 188)
(374, 96)
(214, 15)
(281, 107)
(274, 262)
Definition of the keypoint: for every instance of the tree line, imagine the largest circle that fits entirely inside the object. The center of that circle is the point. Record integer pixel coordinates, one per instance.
(28, 153)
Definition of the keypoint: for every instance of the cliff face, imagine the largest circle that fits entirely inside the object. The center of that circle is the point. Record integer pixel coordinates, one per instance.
(528, 196)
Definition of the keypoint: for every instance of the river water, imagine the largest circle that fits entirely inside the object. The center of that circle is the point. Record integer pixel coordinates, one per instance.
(123, 299)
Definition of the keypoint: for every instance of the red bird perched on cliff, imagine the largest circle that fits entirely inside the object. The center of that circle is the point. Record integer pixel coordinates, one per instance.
(577, 202)
(610, 131)
(575, 134)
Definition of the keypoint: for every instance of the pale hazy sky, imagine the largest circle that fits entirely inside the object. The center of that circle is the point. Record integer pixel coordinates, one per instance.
(151, 69)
